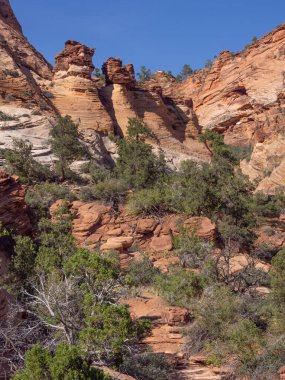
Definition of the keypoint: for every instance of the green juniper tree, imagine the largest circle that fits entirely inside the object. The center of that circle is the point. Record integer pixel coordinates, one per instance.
(65, 363)
(137, 165)
(144, 74)
(66, 144)
(184, 73)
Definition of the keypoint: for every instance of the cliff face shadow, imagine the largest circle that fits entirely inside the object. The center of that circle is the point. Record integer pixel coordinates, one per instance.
(105, 95)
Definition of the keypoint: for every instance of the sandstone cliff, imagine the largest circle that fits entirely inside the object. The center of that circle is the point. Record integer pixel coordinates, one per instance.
(75, 92)
(174, 125)
(241, 96)
(30, 84)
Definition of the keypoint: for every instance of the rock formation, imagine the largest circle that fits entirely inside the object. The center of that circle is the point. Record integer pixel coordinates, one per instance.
(22, 51)
(13, 210)
(75, 93)
(116, 73)
(97, 226)
(167, 336)
(75, 59)
(174, 125)
(240, 92)
(241, 96)
(8, 17)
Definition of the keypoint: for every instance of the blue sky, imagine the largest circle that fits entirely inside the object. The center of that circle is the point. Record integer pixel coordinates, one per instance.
(161, 34)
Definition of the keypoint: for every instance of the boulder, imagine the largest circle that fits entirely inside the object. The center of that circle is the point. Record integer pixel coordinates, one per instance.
(161, 243)
(201, 226)
(117, 243)
(146, 226)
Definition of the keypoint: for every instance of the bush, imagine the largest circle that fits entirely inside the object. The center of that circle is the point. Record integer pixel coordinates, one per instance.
(64, 364)
(43, 105)
(242, 152)
(110, 190)
(20, 161)
(277, 275)
(268, 362)
(194, 252)
(141, 273)
(147, 366)
(40, 197)
(180, 287)
(28, 94)
(48, 94)
(23, 261)
(184, 73)
(11, 73)
(155, 200)
(109, 332)
(98, 173)
(228, 325)
(66, 145)
(5, 117)
(144, 74)
(244, 341)
(137, 165)
(56, 243)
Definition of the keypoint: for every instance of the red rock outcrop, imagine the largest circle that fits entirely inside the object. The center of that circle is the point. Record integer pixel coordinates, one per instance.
(116, 73)
(98, 226)
(13, 210)
(75, 93)
(28, 80)
(75, 59)
(7, 16)
(174, 124)
(241, 95)
(167, 336)
(281, 373)
(20, 66)
(237, 93)
(26, 55)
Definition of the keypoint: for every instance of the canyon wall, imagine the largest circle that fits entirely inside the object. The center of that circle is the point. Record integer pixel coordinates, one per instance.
(241, 95)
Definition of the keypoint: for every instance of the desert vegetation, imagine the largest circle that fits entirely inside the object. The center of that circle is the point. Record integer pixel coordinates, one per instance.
(73, 319)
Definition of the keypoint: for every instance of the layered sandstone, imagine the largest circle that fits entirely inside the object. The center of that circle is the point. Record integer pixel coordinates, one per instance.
(174, 124)
(75, 93)
(28, 81)
(75, 60)
(241, 95)
(266, 166)
(7, 16)
(25, 54)
(240, 92)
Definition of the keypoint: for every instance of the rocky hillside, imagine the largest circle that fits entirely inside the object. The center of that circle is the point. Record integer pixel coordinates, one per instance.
(34, 92)
(241, 96)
